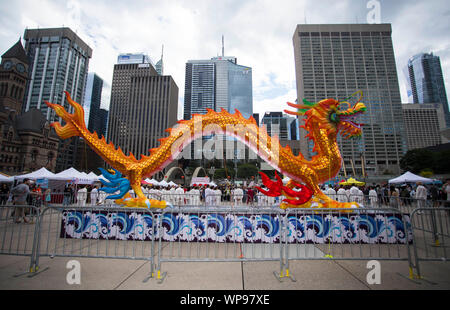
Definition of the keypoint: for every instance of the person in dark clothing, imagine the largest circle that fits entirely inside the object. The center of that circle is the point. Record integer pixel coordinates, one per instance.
(434, 195)
(4, 193)
(405, 196)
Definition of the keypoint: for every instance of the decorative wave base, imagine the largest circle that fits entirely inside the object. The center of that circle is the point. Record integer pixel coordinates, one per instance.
(381, 228)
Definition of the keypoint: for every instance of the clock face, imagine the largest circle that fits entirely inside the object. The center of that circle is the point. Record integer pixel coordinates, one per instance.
(20, 68)
(7, 65)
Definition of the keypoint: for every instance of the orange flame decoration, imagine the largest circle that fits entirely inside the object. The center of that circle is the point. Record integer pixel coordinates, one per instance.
(323, 122)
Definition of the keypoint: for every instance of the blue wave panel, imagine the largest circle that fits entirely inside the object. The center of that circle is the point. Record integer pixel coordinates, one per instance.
(266, 228)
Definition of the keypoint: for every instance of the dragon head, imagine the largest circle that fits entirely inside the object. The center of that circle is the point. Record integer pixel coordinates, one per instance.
(329, 114)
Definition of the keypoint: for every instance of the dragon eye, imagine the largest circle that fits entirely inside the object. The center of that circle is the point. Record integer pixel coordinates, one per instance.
(334, 117)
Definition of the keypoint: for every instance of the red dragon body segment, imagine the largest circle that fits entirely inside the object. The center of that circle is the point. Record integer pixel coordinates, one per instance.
(323, 121)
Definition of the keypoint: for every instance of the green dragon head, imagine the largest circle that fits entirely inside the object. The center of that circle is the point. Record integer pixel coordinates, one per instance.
(328, 114)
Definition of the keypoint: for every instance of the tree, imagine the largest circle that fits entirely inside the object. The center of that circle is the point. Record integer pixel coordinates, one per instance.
(442, 162)
(246, 171)
(220, 173)
(417, 160)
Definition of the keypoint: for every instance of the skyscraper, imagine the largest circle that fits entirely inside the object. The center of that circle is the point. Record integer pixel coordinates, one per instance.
(59, 61)
(143, 105)
(217, 83)
(334, 61)
(427, 81)
(284, 126)
(92, 101)
(423, 123)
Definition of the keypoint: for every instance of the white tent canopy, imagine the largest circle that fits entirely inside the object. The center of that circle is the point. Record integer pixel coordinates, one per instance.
(74, 175)
(38, 174)
(6, 179)
(409, 177)
(93, 176)
(163, 183)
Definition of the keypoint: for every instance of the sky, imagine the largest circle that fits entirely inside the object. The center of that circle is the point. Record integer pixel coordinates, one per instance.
(258, 32)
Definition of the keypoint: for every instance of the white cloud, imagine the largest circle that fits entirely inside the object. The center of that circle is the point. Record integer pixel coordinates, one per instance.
(258, 33)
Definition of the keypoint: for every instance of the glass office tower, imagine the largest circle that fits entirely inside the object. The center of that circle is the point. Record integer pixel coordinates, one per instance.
(59, 61)
(427, 82)
(92, 102)
(217, 83)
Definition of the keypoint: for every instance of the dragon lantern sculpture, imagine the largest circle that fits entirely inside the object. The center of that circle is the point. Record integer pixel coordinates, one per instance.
(323, 121)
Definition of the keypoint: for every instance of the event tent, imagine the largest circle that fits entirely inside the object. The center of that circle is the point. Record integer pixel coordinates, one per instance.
(163, 183)
(409, 177)
(5, 179)
(171, 183)
(38, 174)
(352, 181)
(74, 175)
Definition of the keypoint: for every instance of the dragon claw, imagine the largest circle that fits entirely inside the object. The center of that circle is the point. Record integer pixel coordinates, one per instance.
(141, 202)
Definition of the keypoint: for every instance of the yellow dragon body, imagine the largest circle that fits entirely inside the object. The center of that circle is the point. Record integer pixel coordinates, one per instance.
(323, 122)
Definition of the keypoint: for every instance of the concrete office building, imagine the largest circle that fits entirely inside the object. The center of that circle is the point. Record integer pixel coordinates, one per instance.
(423, 123)
(143, 105)
(334, 61)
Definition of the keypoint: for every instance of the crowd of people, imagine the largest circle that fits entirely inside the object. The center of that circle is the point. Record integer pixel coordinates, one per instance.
(392, 195)
(29, 193)
(211, 195)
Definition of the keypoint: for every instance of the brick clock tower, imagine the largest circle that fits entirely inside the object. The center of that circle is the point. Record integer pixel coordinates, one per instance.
(13, 78)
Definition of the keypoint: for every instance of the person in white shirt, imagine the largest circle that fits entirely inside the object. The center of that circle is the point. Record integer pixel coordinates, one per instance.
(238, 195)
(261, 199)
(446, 189)
(373, 197)
(101, 197)
(330, 192)
(94, 196)
(152, 193)
(342, 195)
(191, 197)
(172, 195)
(360, 197)
(421, 195)
(165, 194)
(217, 196)
(353, 194)
(82, 196)
(179, 195)
(208, 195)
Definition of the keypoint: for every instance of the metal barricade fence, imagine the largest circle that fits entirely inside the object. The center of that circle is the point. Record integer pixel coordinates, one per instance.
(225, 234)
(229, 228)
(18, 230)
(97, 232)
(431, 233)
(343, 234)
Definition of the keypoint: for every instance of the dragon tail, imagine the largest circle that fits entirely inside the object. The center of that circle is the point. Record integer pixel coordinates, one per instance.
(75, 126)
